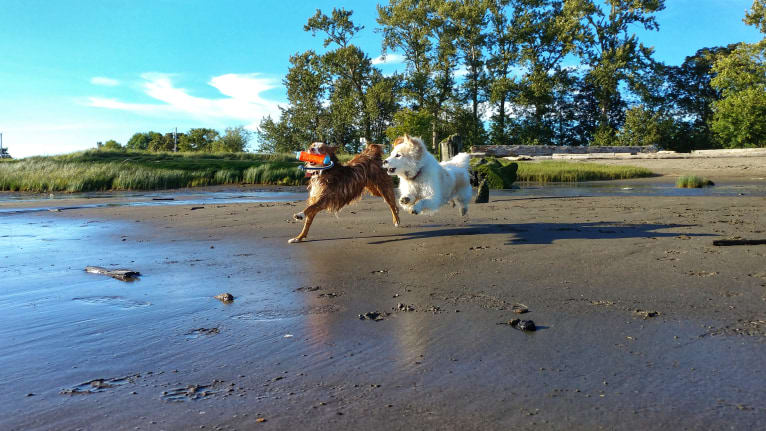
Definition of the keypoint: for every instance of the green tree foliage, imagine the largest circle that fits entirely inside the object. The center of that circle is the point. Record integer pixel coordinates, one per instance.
(546, 34)
(234, 140)
(503, 53)
(112, 145)
(411, 122)
(470, 19)
(756, 16)
(644, 127)
(139, 141)
(612, 54)
(739, 117)
(424, 32)
(199, 139)
(337, 97)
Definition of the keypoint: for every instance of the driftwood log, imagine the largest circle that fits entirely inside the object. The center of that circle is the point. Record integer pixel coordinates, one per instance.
(724, 242)
(119, 274)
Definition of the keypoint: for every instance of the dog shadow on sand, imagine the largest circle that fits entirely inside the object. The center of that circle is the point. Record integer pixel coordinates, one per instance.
(538, 233)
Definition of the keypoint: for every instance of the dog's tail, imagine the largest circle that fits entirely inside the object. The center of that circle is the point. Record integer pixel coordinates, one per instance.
(460, 160)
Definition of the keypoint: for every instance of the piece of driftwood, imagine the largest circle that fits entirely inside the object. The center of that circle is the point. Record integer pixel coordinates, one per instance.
(119, 274)
(725, 242)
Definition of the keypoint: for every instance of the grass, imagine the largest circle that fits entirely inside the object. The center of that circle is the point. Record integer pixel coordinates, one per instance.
(693, 182)
(558, 171)
(99, 170)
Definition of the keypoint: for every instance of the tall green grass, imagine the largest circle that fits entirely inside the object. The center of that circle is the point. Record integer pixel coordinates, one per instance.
(134, 170)
(693, 182)
(558, 171)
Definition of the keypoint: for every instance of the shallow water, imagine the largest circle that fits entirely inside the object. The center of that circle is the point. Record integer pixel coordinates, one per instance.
(204, 196)
(648, 187)
(194, 197)
(64, 328)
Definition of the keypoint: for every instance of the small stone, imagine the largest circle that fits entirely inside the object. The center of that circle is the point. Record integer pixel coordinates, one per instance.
(523, 325)
(519, 308)
(225, 297)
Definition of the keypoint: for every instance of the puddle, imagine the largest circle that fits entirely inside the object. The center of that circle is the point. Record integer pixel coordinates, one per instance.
(115, 301)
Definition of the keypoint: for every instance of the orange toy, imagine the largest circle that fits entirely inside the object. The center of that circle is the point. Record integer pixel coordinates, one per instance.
(316, 159)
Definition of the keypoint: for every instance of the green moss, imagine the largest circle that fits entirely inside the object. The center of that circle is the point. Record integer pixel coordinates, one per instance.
(497, 174)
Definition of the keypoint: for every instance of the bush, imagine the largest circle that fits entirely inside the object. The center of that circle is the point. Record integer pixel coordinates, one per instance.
(693, 182)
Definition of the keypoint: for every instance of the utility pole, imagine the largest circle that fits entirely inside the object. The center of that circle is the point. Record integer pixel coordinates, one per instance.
(175, 140)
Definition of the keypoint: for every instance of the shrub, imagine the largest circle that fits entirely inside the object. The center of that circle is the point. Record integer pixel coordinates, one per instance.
(693, 182)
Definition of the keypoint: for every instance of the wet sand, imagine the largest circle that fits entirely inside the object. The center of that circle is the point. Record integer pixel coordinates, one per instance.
(290, 350)
(713, 167)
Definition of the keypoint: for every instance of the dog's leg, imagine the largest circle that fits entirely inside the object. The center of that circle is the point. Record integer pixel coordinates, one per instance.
(390, 198)
(309, 213)
(425, 204)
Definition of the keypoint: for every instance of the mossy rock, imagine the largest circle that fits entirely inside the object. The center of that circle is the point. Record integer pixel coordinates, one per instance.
(497, 174)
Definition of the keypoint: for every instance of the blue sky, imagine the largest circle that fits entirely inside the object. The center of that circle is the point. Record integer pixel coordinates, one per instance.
(74, 72)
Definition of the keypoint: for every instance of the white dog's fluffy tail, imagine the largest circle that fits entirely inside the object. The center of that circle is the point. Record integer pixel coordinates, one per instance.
(460, 160)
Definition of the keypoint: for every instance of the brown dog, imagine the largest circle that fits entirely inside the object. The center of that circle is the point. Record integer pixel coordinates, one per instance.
(336, 187)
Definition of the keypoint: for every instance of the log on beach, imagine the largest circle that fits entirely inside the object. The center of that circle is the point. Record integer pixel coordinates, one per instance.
(119, 274)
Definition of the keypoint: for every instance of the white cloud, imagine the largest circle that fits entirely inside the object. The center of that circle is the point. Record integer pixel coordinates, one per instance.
(103, 81)
(243, 103)
(388, 59)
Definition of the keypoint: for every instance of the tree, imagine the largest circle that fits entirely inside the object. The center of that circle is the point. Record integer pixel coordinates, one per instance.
(276, 136)
(424, 32)
(756, 16)
(470, 20)
(199, 139)
(643, 127)
(351, 70)
(502, 46)
(112, 145)
(546, 33)
(158, 142)
(234, 140)
(611, 54)
(691, 96)
(739, 116)
(414, 123)
(139, 141)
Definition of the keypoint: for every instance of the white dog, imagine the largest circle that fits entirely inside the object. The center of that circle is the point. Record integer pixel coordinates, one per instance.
(425, 184)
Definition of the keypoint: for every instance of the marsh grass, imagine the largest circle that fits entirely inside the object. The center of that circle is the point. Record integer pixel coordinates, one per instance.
(557, 171)
(693, 182)
(98, 170)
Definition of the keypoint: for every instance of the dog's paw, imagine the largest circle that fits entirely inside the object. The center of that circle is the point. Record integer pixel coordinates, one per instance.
(463, 211)
(396, 224)
(404, 200)
(293, 240)
(298, 216)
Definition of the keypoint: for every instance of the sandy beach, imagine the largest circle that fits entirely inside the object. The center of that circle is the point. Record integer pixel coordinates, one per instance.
(642, 321)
